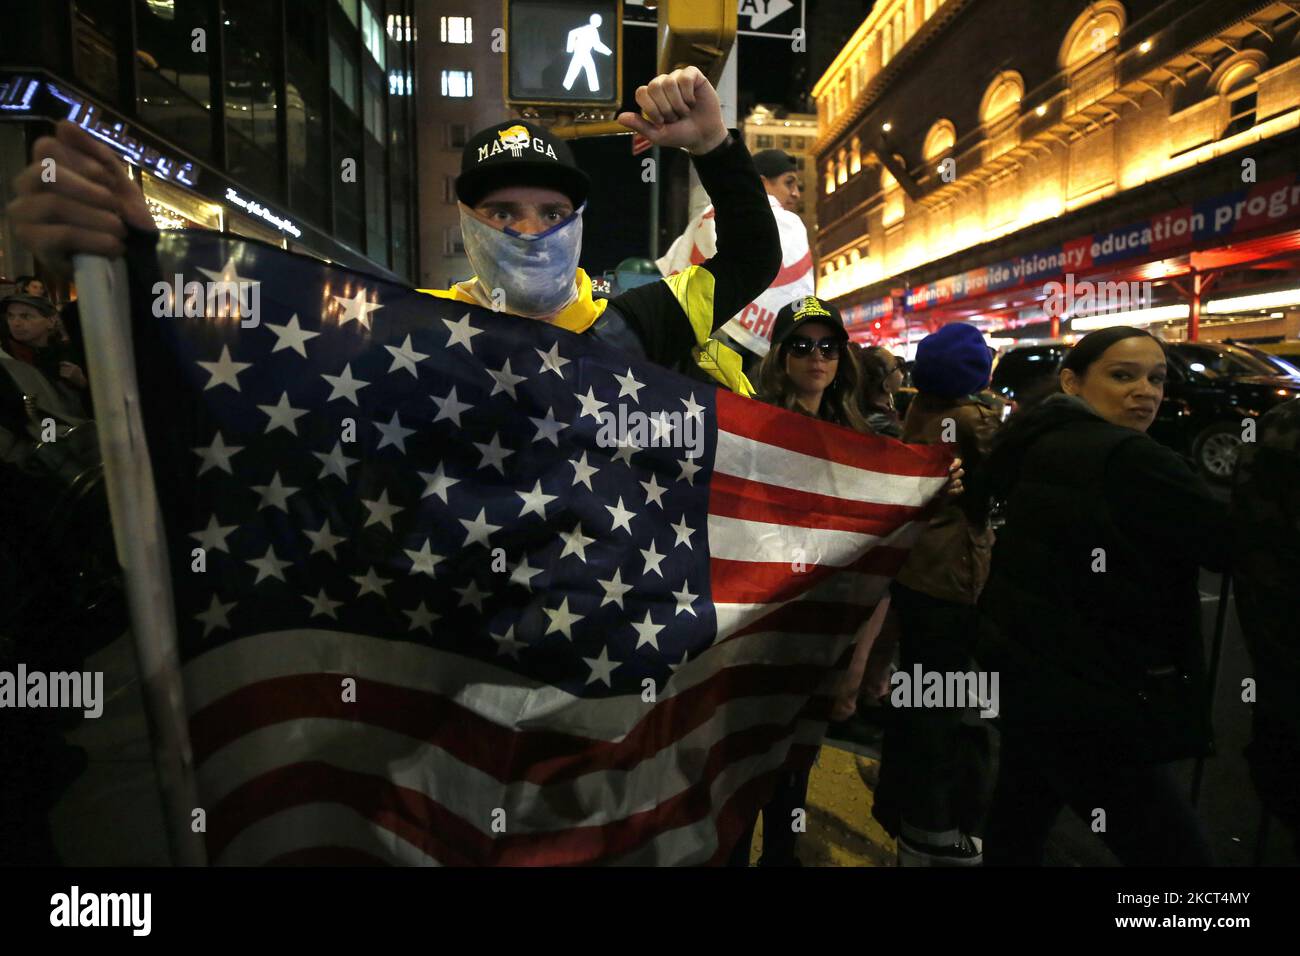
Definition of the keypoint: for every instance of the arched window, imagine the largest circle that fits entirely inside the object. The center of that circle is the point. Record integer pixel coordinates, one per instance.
(887, 181)
(855, 157)
(1235, 81)
(939, 140)
(842, 169)
(1088, 52)
(1094, 32)
(1002, 98)
(999, 111)
(830, 176)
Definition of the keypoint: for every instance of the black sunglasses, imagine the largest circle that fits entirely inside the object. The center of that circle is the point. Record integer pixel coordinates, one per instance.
(802, 346)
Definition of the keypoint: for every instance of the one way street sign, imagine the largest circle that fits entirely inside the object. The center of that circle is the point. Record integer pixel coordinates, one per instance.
(762, 13)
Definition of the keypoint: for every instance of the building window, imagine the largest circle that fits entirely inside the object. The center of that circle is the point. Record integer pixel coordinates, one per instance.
(939, 140)
(458, 83)
(449, 190)
(373, 104)
(399, 83)
(350, 8)
(855, 157)
(457, 29)
(1095, 32)
(785, 142)
(399, 28)
(453, 244)
(887, 43)
(842, 169)
(830, 177)
(1236, 83)
(372, 34)
(1241, 113)
(343, 73)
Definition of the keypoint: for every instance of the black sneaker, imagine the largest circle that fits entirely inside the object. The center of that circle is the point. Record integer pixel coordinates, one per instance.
(967, 851)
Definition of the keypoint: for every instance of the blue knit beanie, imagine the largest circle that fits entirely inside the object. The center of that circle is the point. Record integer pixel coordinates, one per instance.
(952, 362)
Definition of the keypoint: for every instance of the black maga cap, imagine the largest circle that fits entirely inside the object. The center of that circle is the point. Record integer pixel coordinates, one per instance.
(515, 153)
(802, 311)
(774, 162)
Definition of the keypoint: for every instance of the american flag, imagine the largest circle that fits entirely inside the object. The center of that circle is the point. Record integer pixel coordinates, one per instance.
(428, 614)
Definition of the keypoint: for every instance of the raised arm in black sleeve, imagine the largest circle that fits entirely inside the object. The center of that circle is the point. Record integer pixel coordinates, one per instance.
(669, 316)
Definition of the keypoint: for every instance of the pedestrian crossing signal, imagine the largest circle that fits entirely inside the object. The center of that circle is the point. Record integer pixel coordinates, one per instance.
(564, 53)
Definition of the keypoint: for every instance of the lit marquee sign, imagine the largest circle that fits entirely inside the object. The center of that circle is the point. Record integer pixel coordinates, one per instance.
(26, 95)
(256, 209)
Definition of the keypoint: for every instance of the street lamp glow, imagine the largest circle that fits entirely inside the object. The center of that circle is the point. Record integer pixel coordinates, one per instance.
(1263, 300)
(886, 127)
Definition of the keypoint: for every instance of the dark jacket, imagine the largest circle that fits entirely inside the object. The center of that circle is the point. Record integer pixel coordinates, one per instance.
(950, 559)
(1092, 597)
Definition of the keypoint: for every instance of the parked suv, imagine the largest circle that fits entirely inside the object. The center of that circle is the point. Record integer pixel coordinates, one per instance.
(1211, 388)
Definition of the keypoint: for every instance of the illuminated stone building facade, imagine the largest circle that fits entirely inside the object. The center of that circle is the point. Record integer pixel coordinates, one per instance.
(973, 152)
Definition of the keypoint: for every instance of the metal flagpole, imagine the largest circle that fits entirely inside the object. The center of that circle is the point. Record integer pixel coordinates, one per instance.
(104, 301)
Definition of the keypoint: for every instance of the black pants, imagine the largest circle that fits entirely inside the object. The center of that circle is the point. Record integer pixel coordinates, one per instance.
(930, 753)
(1148, 818)
(778, 817)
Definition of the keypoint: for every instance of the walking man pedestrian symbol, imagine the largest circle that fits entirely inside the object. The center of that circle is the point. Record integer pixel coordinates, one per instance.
(581, 43)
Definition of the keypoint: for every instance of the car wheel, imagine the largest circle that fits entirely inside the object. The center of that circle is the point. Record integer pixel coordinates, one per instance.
(1217, 450)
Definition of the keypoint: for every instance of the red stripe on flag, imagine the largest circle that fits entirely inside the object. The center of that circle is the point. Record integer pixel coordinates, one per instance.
(733, 497)
(796, 270)
(760, 582)
(451, 840)
(775, 426)
(538, 756)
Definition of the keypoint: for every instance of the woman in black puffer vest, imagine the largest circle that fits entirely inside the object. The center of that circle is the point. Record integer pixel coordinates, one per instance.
(1094, 612)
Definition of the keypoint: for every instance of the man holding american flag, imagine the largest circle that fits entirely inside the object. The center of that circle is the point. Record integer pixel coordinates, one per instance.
(417, 610)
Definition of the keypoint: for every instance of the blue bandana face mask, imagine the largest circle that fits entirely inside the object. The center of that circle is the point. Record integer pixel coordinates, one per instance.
(536, 274)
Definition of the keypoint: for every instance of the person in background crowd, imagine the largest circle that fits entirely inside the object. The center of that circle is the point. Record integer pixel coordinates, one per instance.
(29, 335)
(1266, 553)
(1095, 612)
(30, 285)
(923, 765)
(808, 370)
(752, 326)
(882, 376)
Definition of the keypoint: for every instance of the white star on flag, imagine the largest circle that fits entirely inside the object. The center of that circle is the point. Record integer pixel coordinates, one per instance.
(494, 455)
(693, 408)
(215, 616)
(575, 542)
(470, 596)
(535, 500)
(422, 561)
(393, 434)
(562, 619)
(683, 533)
(269, 566)
(506, 643)
(345, 385)
(602, 668)
(437, 483)
(291, 336)
(321, 605)
(479, 530)
(218, 455)
(370, 583)
(685, 599)
(621, 516)
(356, 309)
(591, 405)
(381, 511)
(213, 537)
(652, 559)
(405, 357)
(222, 284)
(626, 449)
(282, 415)
(324, 540)
(689, 469)
(223, 370)
(583, 472)
(449, 408)
(335, 463)
(647, 632)
(461, 332)
(628, 385)
(654, 491)
(614, 589)
(548, 429)
(551, 361)
(504, 380)
(524, 573)
(662, 428)
(422, 618)
(274, 495)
